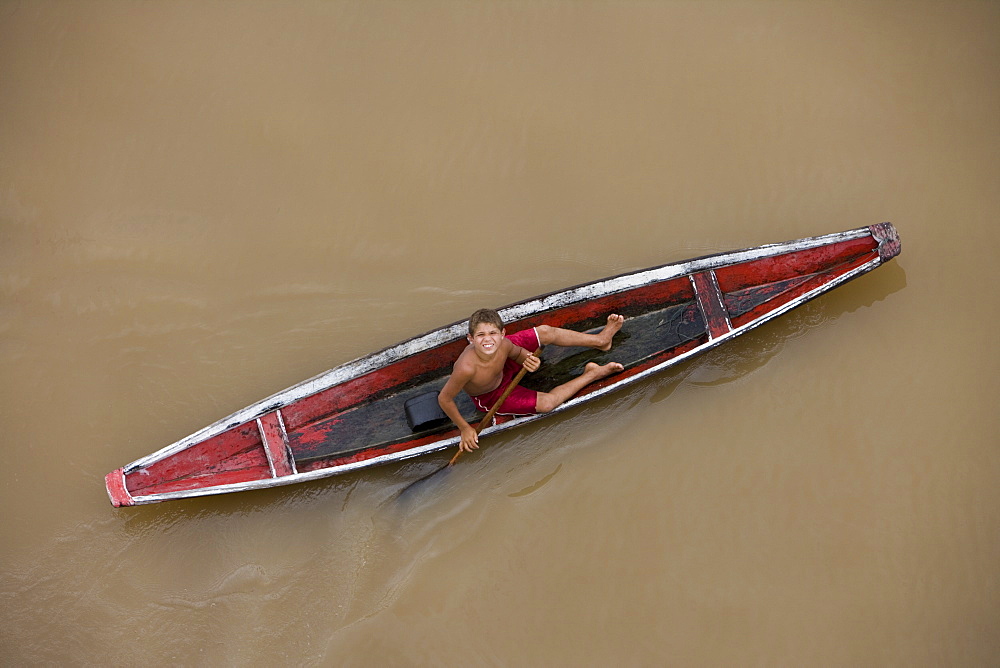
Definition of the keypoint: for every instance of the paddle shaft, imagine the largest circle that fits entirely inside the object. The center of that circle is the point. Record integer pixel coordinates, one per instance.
(496, 406)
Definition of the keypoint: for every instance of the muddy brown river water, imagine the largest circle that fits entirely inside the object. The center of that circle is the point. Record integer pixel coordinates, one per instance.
(204, 203)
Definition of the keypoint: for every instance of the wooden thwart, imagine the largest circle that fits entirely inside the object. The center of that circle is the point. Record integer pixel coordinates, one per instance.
(706, 289)
(272, 434)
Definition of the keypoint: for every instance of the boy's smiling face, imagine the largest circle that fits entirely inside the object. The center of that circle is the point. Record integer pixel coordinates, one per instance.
(486, 338)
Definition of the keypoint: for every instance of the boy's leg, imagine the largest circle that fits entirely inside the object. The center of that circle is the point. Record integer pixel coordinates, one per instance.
(547, 401)
(568, 338)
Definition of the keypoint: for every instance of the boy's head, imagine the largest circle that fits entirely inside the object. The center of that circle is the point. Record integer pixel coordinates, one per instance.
(484, 316)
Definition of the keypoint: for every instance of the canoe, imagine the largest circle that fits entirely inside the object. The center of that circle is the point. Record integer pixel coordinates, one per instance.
(368, 411)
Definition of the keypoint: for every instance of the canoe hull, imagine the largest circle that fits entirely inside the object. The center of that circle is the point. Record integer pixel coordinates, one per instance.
(351, 417)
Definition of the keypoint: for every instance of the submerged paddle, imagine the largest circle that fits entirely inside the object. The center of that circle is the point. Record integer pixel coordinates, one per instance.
(485, 422)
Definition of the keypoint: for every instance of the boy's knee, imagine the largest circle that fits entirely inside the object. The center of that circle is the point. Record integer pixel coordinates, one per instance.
(544, 333)
(545, 403)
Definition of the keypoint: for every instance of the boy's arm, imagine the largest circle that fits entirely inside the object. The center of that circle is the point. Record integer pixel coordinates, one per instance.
(525, 357)
(446, 400)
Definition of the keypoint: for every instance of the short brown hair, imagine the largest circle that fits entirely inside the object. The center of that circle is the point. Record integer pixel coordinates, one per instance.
(485, 316)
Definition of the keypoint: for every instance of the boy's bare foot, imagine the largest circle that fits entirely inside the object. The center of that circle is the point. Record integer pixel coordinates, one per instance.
(598, 371)
(549, 401)
(615, 323)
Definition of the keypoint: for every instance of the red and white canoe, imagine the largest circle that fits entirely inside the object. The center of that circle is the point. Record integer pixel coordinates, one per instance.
(353, 416)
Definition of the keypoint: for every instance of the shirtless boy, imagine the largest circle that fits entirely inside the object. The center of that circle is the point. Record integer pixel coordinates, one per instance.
(492, 359)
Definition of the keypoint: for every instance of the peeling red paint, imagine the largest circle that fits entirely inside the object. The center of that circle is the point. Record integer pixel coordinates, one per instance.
(802, 288)
(801, 263)
(236, 449)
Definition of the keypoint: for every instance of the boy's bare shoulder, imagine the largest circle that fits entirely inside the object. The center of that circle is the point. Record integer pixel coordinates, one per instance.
(466, 363)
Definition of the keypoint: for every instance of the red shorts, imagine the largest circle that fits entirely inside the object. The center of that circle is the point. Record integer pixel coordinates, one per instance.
(522, 400)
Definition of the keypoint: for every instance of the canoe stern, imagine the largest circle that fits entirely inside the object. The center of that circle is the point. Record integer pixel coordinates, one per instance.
(115, 483)
(887, 237)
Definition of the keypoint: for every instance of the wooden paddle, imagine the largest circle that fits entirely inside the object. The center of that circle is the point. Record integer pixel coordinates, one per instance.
(485, 422)
(482, 425)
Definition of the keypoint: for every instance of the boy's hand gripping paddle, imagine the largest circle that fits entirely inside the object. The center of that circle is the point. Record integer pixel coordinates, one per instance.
(485, 422)
(482, 425)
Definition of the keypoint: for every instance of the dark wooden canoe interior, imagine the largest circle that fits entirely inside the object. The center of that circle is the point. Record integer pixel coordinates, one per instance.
(382, 422)
(662, 321)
